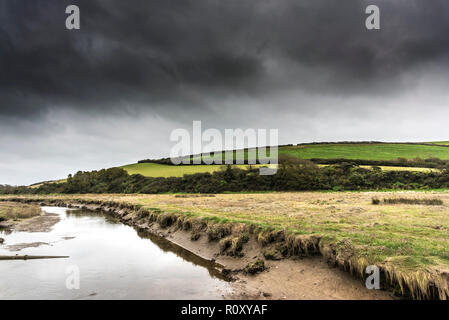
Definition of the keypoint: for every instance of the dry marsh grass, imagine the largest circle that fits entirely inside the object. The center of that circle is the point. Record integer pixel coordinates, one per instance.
(16, 211)
(410, 201)
(409, 241)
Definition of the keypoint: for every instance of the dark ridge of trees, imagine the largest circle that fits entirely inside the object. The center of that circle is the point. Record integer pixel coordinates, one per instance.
(165, 161)
(293, 175)
(435, 163)
(6, 189)
(374, 142)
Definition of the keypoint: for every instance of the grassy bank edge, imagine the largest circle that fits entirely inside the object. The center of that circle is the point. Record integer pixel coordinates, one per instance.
(419, 284)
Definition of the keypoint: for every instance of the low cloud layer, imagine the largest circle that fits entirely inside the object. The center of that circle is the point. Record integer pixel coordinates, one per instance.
(111, 93)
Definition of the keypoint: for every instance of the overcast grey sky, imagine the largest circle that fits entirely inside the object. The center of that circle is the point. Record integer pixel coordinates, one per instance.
(111, 93)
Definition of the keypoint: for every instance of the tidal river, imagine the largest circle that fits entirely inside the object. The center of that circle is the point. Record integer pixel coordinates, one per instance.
(112, 260)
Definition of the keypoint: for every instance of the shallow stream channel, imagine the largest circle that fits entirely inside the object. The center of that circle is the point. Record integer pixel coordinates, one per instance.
(101, 258)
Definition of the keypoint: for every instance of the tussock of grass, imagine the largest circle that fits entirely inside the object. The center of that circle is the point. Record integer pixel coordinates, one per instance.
(218, 231)
(166, 219)
(410, 201)
(143, 213)
(255, 267)
(233, 246)
(427, 202)
(272, 254)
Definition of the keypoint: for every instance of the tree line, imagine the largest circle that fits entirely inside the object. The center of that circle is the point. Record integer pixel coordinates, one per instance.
(293, 175)
(434, 163)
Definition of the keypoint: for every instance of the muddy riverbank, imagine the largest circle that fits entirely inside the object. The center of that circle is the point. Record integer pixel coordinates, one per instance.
(296, 276)
(40, 222)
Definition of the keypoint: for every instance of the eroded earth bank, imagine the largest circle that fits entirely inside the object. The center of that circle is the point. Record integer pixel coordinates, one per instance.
(260, 264)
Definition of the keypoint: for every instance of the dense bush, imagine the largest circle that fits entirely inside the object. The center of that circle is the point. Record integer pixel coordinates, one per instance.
(399, 162)
(428, 202)
(293, 175)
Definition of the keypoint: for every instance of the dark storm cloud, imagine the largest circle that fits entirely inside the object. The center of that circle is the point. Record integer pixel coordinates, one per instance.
(172, 54)
(141, 53)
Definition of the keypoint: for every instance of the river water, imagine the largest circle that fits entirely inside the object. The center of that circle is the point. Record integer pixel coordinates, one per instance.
(111, 261)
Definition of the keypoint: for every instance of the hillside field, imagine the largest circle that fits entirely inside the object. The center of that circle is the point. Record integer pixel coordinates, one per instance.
(161, 170)
(366, 151)
(165, 171)
(353, 151)
(361, 151)
(381, 151)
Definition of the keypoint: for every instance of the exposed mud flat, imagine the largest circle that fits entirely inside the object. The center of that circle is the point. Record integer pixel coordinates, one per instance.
(305, 278)
(21, 246)
(295, 277)
(42, 223)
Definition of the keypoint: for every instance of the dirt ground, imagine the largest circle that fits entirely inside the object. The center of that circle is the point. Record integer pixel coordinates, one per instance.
(42, 223)
(307, 278)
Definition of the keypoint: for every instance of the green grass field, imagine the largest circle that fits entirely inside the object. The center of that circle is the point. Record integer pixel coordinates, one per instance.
(160, 170)
(445, 143)
(379, 151)
(366, 151)
(322, 151)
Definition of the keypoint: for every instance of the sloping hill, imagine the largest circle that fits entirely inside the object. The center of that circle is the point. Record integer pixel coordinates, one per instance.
(365, 154)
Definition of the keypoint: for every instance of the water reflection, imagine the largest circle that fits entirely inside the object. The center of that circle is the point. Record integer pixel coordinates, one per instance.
(114, 260)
